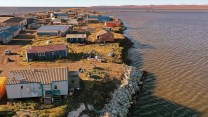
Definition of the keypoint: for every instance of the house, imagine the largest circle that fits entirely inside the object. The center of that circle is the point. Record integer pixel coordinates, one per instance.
(46, 52)
(61, 15)
(92, 20)
(73, 22)
(15, 21)
(56, 21)
(35, 25)
(100, 18)
(113, 23)
(104, 36)
(80, 17)
(76, 38)
(71, 13)
(54, 30)
(9, 33)
(48, 83)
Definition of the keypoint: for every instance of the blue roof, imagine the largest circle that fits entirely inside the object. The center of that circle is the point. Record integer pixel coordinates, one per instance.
(54, 28)
(9, 31)
(60, 14)
(101, 18)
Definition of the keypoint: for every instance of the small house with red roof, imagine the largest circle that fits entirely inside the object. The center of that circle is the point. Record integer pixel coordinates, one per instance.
(46, 52)
(116, 23)
(104, 36)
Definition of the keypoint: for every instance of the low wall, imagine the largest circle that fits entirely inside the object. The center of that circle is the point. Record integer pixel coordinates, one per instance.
(122, 97)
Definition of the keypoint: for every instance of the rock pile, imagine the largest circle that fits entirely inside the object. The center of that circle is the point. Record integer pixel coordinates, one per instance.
(77, 112)
(122, 97)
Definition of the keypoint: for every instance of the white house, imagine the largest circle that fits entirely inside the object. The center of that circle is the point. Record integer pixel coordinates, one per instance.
(48, 83)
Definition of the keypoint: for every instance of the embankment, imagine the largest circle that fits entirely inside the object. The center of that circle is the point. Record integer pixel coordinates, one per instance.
(122, 97)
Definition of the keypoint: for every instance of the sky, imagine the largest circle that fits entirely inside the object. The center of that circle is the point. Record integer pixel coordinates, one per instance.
(77, 3)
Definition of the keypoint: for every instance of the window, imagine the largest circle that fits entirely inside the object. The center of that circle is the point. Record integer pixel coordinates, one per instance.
(43, 54)
(52, 53)
(21, 87)
(55, 86)
(39, 54)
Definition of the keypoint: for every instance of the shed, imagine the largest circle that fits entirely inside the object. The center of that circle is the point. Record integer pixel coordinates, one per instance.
(105, 36)
(46, 52)
(54, 30)
(76, 38)
(41, 82)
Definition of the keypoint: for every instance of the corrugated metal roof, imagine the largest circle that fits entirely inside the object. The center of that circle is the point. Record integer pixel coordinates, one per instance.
(44, 76)
(54, 28)
(101, 32)
(2, 19)
(14, 20)
(76, 36)
(46, 48)
(9, 31)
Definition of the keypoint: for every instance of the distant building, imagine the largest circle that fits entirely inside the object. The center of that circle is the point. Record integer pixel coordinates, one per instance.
(100, 18)
(15, 21)
(56, 21)
(72, 14)
(9, 33)
(92, 20)
(73, 22)
(104, 36)
(46, 52)
(76, 38)
(50, 83)
(35, 25)
(54, 30)
(61, 15)
(113, 24)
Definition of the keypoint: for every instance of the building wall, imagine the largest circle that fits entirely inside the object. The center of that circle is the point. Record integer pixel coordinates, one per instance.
(62, 86)
(107, 37)
(23, 90)
(6, 40)
(76, 40)
(47, 55)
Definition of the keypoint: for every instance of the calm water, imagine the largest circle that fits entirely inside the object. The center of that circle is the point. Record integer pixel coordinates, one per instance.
(173, 48)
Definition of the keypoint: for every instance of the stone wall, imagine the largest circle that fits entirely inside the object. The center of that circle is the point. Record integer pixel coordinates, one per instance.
(122, 97)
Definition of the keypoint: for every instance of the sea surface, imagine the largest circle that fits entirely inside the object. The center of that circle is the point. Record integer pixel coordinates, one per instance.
(173, 48)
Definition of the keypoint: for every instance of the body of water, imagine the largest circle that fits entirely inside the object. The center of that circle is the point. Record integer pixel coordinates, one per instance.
(173, 48)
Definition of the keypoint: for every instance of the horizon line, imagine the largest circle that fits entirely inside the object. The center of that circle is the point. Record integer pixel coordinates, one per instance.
(118, 5)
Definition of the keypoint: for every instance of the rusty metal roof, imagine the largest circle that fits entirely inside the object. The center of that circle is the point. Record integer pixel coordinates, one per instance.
(41, 75)
(46, 48)
(14, 20)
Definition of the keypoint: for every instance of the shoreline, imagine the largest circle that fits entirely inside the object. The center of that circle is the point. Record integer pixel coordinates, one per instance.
(124, 43)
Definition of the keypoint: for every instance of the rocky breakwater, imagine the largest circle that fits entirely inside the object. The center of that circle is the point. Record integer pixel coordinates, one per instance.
(122, 97)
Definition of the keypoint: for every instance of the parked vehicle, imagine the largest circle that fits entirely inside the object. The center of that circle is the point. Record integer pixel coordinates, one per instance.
(7, 52)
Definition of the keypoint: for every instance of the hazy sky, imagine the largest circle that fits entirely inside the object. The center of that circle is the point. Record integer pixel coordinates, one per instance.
(69, 3)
